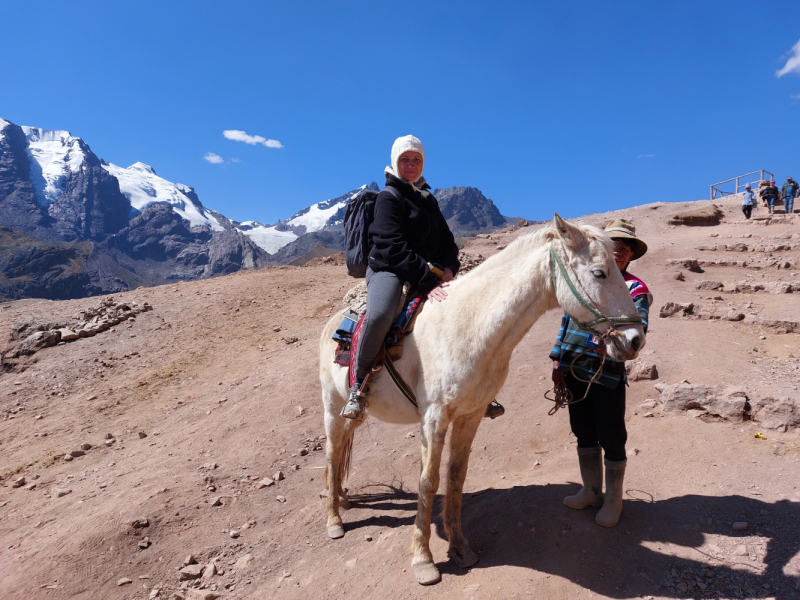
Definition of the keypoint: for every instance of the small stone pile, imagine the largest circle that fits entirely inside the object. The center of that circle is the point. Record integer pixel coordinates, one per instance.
(31, 335)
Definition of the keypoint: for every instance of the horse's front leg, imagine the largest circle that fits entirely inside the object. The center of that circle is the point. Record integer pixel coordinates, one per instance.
(434, 429)
(461, 439)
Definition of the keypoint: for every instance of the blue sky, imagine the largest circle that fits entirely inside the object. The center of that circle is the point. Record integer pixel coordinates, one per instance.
(574, 106)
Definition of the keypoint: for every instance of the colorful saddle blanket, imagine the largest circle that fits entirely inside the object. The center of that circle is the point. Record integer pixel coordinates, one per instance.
(349, 331)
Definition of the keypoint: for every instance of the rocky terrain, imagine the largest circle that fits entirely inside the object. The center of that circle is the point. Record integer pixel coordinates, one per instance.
(178, 452)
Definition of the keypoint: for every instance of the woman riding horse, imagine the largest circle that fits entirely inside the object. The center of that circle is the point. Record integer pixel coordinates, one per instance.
(410, 242)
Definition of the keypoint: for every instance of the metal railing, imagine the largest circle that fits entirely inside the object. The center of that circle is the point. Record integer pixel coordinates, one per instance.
(716, 192)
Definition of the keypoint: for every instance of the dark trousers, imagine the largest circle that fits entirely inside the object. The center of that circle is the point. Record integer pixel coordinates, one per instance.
(747, 209)
(600, 419)
(383, 295)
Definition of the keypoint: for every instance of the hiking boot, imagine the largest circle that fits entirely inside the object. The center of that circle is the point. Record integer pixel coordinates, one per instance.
(354, 409)
(494, 410)
(591, 463)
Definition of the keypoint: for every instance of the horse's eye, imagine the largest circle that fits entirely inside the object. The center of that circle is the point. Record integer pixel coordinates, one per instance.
(599, 274)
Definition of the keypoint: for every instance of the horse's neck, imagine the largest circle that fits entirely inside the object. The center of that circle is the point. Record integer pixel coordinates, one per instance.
(498, 304)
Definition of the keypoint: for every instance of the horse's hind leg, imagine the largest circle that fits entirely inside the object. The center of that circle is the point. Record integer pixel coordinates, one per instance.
(460, 444)
(339, 432)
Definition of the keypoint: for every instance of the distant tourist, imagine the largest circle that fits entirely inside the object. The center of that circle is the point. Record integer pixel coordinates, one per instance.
(599, 421)
(748, 201)
(788, 194)
(769, 194)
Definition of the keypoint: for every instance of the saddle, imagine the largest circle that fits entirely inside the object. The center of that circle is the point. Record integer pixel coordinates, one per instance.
(348, 333)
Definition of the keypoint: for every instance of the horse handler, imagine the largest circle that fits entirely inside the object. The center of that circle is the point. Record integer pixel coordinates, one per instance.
(598, 421)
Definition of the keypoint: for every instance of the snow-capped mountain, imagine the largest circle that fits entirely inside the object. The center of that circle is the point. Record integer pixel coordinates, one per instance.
(317, 217)
(142, 187)
(56, 195)
(56, 155)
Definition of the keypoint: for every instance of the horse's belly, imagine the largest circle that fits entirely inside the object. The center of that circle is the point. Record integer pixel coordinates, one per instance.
(388, 404)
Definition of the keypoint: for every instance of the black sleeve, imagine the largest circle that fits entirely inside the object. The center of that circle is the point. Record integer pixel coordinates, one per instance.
(390, 248)
(448, 250)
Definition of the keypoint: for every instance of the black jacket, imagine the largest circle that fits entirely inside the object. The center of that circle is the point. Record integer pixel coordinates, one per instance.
(408, 233)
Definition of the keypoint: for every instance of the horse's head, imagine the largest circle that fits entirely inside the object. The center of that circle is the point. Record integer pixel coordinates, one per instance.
(591, 287)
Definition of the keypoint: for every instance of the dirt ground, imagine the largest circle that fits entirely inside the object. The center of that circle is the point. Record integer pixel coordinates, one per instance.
(225, 398)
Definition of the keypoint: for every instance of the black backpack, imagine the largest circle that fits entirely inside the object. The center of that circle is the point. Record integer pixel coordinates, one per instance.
(358, 215)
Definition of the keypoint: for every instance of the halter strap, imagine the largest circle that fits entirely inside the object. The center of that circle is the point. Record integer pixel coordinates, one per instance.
(588, 326)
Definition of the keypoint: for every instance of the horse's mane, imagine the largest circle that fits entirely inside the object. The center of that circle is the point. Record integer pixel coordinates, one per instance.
(544, 235)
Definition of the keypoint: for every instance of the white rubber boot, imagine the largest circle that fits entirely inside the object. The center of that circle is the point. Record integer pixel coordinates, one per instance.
(591, 494)
(608, 516)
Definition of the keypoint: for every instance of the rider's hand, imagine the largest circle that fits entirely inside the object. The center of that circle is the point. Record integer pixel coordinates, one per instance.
(448, 275)
(438, 294)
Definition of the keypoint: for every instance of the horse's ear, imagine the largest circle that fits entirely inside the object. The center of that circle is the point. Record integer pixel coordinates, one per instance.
(571, 236)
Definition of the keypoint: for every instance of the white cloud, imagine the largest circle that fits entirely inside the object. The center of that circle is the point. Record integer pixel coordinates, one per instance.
(794, 96)
(240, 136)
(236, 160)
(645, 156)
(214, 159)
(792, 63)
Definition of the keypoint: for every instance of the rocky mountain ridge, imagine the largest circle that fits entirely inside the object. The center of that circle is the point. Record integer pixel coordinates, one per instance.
(72, 225)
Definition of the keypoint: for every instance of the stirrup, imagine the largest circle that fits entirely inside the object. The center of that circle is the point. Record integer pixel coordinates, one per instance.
(494, 410)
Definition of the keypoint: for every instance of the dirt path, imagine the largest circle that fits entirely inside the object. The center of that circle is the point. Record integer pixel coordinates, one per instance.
(226, 397)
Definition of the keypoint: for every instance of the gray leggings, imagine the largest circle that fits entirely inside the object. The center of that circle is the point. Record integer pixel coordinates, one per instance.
(383, 295)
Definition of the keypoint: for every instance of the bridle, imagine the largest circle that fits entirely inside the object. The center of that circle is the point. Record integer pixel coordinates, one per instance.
(562, 396)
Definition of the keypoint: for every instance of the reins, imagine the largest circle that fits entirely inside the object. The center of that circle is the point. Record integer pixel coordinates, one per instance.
(561, 395)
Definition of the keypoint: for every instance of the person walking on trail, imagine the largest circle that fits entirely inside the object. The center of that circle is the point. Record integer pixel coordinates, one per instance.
(748, 201)
(598, 421)
(410, 241)
(789, 192)
(769, 194)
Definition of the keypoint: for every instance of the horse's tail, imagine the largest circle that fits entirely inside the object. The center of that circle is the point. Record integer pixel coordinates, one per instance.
(347, 453)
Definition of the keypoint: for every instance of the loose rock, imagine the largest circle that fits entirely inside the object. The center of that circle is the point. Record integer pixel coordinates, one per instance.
(740, 525)
(279, 476)
(62, 492)
(18, 482)
(124, 581)
(190, 572)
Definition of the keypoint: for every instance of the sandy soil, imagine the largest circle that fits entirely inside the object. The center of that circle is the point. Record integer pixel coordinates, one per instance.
(225, 401)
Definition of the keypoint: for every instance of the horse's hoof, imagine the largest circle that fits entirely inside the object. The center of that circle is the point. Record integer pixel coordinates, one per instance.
(344, 502)
(427, 574)
(335, 532)
(464, 559)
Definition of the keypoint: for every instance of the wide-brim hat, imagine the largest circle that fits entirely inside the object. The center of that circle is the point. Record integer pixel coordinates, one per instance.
(622, 229)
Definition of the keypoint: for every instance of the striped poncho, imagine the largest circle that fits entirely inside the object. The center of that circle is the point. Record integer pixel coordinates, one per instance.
(571, 341)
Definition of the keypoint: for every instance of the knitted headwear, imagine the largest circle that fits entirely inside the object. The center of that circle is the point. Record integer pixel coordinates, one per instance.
(622, 229)
(405, 144)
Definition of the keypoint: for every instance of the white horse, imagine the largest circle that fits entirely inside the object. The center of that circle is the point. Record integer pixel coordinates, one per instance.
(456, 360)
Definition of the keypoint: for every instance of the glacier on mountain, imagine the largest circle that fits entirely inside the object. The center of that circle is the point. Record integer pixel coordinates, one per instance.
(267, 238)
(55, 155)
(316, 217)
(140, 184)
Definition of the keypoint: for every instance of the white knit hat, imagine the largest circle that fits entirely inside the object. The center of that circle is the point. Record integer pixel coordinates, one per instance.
(405, 144)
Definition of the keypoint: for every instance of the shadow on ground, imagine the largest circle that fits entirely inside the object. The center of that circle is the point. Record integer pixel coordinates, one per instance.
(528, 526)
